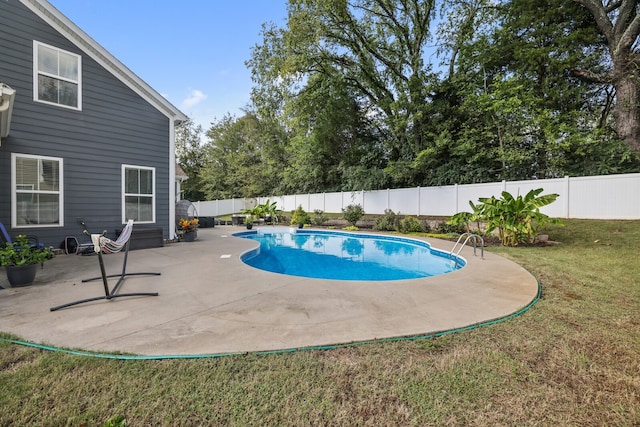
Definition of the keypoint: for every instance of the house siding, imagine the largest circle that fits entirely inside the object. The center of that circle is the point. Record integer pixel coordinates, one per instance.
(115, 126)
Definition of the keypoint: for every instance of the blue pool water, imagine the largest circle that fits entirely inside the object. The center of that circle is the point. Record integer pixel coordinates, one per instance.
(345, 256)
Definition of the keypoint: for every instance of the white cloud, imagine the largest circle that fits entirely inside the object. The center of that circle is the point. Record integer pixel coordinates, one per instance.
(194, 98)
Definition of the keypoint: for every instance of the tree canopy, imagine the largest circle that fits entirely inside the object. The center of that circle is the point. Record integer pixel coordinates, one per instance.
(371, 94)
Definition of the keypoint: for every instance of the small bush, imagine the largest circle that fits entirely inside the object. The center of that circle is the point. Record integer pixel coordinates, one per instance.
(447, 228)
(409, 224)
(300, 216)
(318, 217)
(353, 214)
(389, 222)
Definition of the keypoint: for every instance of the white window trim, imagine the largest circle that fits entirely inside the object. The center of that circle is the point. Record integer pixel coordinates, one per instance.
(36, 45)
(153, 195)
(14, 194)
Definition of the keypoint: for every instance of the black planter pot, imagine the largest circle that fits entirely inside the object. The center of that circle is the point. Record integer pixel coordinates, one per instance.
(300, 225)
(190, 236)
(249, 226)
(22, 275)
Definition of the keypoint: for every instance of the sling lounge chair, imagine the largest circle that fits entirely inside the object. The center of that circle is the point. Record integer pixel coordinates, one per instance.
(102, 244)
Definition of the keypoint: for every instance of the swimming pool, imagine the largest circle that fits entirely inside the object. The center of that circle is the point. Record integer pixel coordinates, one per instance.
(345, 256)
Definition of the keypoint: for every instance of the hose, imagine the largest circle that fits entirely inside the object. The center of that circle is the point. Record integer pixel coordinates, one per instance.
(283, 351)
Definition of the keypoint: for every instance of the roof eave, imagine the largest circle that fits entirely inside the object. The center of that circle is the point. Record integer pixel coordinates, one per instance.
(83, 41)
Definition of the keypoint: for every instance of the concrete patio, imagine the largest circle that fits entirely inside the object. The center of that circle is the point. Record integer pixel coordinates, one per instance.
(210, 302)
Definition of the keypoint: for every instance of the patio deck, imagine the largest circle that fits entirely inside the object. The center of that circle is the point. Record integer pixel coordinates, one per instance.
(212, 303)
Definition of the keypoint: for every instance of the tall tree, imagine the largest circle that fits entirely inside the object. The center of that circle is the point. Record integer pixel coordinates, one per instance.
(619, 22)
(191, 158)
(376, 47)
(236, 165)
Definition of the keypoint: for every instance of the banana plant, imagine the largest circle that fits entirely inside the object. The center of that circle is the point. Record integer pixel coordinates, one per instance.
(517, 219)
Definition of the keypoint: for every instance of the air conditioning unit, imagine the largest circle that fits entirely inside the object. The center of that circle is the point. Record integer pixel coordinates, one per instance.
(7, 96)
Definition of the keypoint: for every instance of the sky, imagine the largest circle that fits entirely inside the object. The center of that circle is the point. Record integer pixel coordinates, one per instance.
(193, 52)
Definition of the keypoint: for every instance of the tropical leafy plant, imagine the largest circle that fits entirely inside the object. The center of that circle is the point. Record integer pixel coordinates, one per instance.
(263, 210)
(270, 209)
(517, 219)
(465, 219)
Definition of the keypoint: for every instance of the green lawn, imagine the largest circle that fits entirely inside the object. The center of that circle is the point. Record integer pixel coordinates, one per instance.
(573, 359)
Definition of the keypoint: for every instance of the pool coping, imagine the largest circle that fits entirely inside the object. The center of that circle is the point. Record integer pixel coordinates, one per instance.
(211, 303)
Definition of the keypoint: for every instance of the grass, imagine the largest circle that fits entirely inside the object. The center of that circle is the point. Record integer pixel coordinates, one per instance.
(573, 359)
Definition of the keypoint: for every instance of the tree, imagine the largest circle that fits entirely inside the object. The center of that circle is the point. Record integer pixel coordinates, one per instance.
(237, 162)
(191, 158)
(619, 23)
(374, 48)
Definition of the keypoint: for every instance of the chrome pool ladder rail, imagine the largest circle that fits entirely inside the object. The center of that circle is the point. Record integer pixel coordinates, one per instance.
(475, 238)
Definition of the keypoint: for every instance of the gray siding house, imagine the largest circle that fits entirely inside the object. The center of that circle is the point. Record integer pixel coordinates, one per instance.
(87, 138)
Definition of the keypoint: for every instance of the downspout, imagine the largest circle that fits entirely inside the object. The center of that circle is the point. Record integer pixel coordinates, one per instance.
(172, 178)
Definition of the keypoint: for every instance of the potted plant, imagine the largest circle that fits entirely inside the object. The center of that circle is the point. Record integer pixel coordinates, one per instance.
(20, 259)
(299, 217)
(189, 229)
(252, 214)
(248, 221)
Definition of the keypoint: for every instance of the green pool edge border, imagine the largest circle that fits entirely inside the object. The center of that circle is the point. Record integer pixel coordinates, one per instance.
(282, 351)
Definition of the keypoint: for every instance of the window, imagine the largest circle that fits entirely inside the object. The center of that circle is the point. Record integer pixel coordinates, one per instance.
(138, 192)
(56, 76)
(37, 191)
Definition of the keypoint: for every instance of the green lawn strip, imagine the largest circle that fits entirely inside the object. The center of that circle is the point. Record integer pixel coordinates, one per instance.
(572, 359)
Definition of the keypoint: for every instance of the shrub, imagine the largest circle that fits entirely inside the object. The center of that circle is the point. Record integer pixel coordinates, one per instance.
(318, 217)
(299, 216)
(409, 224)
(450, 228)
(353, 213)
(389, 222)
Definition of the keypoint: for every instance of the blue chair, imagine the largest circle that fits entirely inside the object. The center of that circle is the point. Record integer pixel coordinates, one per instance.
(34, 242)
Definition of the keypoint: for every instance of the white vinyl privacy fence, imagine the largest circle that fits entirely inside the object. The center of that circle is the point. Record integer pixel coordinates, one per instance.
(592, 197)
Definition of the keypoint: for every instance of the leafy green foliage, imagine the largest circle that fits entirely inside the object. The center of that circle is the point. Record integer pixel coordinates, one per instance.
(517, 219)
(353, 213)
(319, 217)
(464, 219)
(388, 222)
(268, 209)
(449, 228)
(300, 216)
(118, 421)
(190, 155)
(21, 252)
(410, 224)
(345, 97)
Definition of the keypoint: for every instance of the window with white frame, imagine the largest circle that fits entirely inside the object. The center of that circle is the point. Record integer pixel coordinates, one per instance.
(138, 192)
(37, 198)
(57, 76)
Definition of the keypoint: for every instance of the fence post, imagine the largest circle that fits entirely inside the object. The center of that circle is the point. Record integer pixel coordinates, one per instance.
(456, 191)
(567, 187)
(418, 200)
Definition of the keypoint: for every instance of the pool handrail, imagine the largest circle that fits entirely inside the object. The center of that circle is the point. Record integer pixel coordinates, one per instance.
(475, 237)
